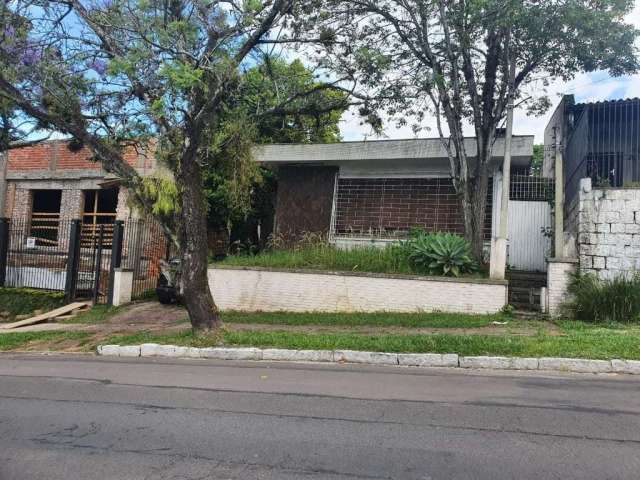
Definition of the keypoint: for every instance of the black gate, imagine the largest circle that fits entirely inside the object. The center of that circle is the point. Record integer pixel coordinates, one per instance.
(79, 259)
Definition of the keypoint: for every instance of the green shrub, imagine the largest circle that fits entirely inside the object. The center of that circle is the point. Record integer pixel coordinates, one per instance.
(23, 301)
(441, 254)
(596, 300)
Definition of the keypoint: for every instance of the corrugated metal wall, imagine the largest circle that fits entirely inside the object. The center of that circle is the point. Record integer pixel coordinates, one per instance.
(528, 244)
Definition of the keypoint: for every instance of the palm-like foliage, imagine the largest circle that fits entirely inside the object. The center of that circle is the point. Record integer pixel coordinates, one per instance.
(441, 254)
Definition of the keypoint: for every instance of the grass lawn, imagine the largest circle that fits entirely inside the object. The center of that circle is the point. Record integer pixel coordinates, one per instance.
(410, 320)
(24, 301)
(577, 341)
(391, 260)
(473, 334)
(48, 340)
(328, 257)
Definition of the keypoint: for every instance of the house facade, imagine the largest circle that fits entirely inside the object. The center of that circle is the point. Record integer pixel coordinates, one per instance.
(377, 191)
(51, 182)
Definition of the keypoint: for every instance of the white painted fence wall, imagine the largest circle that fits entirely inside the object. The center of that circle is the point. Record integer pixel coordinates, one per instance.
(306, 291)
(528, 246)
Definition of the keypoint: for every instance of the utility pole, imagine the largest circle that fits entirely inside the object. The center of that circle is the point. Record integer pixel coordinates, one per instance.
(499, 264)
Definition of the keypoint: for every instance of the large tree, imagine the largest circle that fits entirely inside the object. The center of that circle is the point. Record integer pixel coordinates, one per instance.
(119, 74)
(240, 192)
(450, 59)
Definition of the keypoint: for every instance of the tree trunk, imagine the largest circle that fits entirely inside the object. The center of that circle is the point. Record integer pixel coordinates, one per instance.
(479, 209)
(473, 196)
(203, 312)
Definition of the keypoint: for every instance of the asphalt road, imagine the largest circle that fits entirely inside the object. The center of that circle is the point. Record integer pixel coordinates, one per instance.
(76, 417)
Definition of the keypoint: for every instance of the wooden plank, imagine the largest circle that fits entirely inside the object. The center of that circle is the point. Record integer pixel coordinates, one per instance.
(45, 317)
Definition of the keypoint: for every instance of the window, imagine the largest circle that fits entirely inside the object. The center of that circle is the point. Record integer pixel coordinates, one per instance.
(45, 216)
(99, 210)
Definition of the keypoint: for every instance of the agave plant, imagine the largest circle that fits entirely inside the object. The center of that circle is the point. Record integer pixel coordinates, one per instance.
(444, 254)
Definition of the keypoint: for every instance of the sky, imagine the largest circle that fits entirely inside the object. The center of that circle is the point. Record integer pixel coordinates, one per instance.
(587, 87)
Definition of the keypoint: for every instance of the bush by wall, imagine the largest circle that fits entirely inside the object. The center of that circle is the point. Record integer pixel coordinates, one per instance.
(444, 254)
(23, 301)
(596, 300)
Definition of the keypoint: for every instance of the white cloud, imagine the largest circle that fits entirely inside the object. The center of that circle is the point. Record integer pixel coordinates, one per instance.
(587, 87)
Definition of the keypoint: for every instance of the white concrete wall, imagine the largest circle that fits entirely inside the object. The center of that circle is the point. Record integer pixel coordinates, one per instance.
(122, 286)
(609, 230)
(265, 290)
(558, 277)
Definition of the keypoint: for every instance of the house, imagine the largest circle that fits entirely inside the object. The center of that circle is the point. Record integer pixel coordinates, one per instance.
(50, 184)
(54, 181)
(593, 150)
(376, 191)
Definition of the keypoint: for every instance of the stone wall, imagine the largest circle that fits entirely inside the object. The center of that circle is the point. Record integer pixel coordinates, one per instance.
(252, 289)
(609, 230)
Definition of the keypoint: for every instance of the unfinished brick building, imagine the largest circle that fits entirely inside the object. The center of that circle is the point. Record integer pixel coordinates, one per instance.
(52, 182)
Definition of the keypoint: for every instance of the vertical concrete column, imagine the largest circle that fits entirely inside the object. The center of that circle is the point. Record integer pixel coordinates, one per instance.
(498, 255)
(559, 273)
(71, 207)
(122, 286)
(559, 201)
(71, 204)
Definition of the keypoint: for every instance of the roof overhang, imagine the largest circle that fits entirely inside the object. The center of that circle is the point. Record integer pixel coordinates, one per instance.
(428, 149)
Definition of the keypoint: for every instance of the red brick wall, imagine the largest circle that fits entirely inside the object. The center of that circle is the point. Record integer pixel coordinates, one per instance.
(31, 158)
(304, 200)
(67, 159)
(56, 155)
(387, 206)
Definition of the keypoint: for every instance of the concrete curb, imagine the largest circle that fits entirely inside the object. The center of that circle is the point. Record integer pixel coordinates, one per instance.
(450, 360)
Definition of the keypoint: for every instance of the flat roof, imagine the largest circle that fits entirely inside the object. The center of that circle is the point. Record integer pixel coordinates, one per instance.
(422, 148)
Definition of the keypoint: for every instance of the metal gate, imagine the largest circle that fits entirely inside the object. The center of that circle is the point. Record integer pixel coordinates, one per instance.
(77, 258)
(529, 240)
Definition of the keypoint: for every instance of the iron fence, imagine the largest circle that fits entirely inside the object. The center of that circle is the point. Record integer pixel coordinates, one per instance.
(144, 245)
(67, 256)
(30, 262)
(604, 145)
(530, 188)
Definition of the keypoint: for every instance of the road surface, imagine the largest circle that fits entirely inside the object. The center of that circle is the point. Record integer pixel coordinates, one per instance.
(82, 417)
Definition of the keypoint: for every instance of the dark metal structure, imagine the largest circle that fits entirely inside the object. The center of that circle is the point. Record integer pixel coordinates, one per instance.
(79, 261)
(602, 142)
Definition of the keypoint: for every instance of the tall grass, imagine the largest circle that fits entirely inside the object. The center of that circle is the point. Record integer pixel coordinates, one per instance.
(20, 301)
(323, 256)
(596, 300)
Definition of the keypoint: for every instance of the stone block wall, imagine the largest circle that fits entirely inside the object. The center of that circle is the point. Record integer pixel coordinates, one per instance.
(609, 230)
